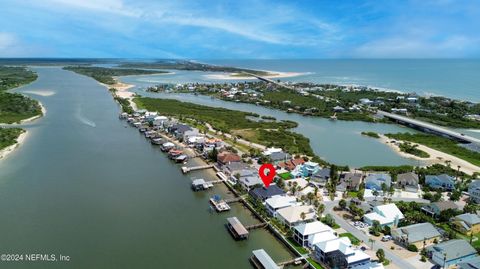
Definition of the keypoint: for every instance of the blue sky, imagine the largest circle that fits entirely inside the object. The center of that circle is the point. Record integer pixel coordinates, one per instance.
(240, 29)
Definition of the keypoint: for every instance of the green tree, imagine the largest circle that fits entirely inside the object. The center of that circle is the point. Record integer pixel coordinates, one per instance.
(342, 203)
(380, 255)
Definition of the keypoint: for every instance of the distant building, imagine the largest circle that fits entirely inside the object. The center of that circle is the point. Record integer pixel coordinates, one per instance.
(474, 191)
(226, 157)
(386, 215)
(277, 157)
(450, 253)
(420, 235)
(375, 181)
(349, 181)
(443, 181)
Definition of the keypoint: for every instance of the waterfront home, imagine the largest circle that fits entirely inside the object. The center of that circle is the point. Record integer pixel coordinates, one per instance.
(408, 182)
(443, 182)
(277, 202)
(159, 120)
(376, 181)
(302, 232)
(227, 157)
(386, 215)
(262, 260)
(420, 235)
(338, 109)
(189, 134)
(248, 179)
(450, 253)
(269, 151)
(178, 130)
(474, 191)
(434, 209)
(338, 253)
(321, 237)
(234, 167)
(291, 216)
(291, 164)
(350, 181)
(306, 169)
(467, 223)
(320, 176)
(263, 193)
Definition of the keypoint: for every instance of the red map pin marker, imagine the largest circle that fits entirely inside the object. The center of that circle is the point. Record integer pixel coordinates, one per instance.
(267, 178)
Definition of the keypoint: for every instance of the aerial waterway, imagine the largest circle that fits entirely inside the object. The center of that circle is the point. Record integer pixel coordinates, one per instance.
(106, 197)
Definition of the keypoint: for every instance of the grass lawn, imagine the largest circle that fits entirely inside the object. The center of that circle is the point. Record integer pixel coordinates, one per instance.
(353, 194)
(285, 176)
(314, 263)
(352, 238)
(297, 246)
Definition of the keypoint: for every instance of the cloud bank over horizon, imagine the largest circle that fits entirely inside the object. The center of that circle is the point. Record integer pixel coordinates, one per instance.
(240, 29)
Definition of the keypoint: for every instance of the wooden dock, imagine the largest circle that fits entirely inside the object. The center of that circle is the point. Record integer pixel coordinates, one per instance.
(295, 261)
(233, 200)
(186, 169)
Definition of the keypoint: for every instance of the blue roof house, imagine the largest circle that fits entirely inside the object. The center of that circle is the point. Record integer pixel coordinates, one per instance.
(375, 181)
(442, 181)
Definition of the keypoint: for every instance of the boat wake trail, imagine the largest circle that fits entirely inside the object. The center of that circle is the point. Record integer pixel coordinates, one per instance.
(83, 119)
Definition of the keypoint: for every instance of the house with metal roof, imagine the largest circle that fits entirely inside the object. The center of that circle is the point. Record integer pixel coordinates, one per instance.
(376, 181)
(420, 235)
(434, 209)
(386, 215)
(321, 176)
(470, 264)
(302, 232)
(474, 191)
(408, 182)
(466, 223)
(443, 181)
(262, 260)
(338, 253)
(349, 181)
(263, 193)
(450, 253)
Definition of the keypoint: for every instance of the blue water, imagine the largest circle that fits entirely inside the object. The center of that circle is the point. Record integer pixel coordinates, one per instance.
(455, 78)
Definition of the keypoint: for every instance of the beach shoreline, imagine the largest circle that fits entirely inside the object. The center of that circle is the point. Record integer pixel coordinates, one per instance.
(44, 112)
(122, 91)
(20, 140)
(436, 157)
(272, 75)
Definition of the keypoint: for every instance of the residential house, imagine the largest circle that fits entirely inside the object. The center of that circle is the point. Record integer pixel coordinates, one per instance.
(443, 181)
(305, 170)
(420, 235)
(292, 215)
(277, 202)
(408, 182)
(376, 181)
(234, 167)
(474, 191)
(278, 157)
(434, 209)
(248, 178)
(386, 215)
(349, 181)
(263, 193)
(338, 253)
(450, 253)
(467, 223)
(227, 157)
(179, 129)
(190, 134)
(473, 263)
(302, 232)
(321, 176)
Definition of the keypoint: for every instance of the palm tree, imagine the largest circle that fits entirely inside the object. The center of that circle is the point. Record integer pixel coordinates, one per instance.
(375, 193)
(303, 215)
(320, 209)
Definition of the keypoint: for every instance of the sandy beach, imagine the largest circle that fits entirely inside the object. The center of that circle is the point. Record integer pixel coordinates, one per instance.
(272, 75)
(44, 112)
(21, 138)
(44, 93)
(435, 156)
(122, 91)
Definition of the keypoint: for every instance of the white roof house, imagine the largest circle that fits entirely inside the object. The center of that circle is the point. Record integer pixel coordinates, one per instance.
(342, 243)
(385, 214)
(291, 216)
(277, 202)
(320, 237)
(312, 228)
(269, 151)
